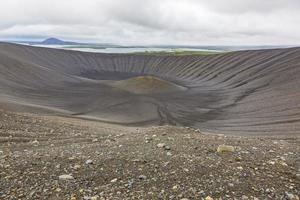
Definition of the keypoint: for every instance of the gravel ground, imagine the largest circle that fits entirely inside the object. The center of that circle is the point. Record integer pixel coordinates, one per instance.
(48, 157)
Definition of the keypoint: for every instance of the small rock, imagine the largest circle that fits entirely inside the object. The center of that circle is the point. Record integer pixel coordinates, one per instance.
(268, 191)
(65, 177)
(209, 198)
(142, 177)
(175, 187)
(114, 180)
(240, 168)
(169, 153)
(167, 148)
(89, 162)
(290, 196)
(244, 197)
(73, 197)
(283, 164)
(147, 140)
(202, 193)
(161, 145)
(71, 158)
(271, 162)
(90, 198)
(245, 152)
(238, 159)
(230, 184)
(76, 167)
(225, 148)
(35, 142)
(32, 193)
(95, 140)
(130, 183)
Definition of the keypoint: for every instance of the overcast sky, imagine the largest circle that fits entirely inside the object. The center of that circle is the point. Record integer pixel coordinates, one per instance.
(188, 22)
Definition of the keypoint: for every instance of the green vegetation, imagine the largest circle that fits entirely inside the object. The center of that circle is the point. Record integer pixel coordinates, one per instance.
(178, 53)
(84, 47)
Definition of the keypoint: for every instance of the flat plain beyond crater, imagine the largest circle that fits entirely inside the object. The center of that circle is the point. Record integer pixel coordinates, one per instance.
(78, 125)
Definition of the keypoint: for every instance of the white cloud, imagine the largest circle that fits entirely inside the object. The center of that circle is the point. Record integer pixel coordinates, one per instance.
(193, 22)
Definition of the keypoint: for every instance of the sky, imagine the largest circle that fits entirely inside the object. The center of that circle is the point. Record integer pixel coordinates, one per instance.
(154, 22)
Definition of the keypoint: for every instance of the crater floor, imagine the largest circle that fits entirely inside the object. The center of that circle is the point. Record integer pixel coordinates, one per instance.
(147, 85)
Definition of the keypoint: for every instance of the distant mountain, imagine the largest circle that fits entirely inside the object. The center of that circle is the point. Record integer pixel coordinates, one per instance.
(55, 41)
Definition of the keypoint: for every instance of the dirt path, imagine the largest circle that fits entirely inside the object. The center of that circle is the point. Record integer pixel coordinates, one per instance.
(101, 161)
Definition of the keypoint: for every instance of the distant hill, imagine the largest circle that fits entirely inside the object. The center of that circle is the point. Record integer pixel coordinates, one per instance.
(70, 44)
(55, 41)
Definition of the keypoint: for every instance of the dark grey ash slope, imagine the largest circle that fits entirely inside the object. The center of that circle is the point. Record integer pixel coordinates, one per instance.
(246, 92)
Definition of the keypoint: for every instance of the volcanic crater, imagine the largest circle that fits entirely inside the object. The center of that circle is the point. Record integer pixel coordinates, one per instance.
(245, 92)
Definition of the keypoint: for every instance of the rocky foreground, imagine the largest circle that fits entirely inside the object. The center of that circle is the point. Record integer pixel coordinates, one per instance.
(46, 157)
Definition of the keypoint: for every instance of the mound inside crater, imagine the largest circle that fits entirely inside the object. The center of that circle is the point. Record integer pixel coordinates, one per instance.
(147, 85)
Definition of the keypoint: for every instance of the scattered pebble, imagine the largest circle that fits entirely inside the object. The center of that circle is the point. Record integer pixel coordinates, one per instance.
(209, 198)
(244, 197)
(142, 177)
(89, 162)
(35, 142)
(169, 153)
(175, 187)
(161, 145)
(76, 167)
(167, 148)
(114, 180)
(66, 177)
(225, 148)
(290, 196)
